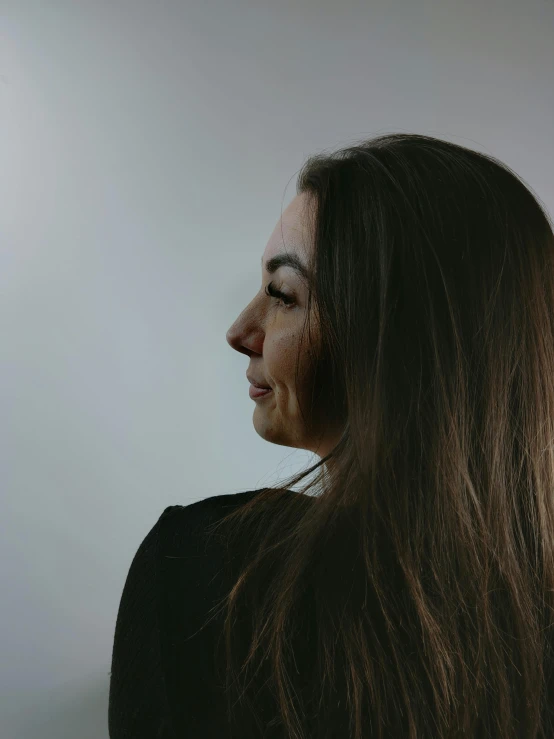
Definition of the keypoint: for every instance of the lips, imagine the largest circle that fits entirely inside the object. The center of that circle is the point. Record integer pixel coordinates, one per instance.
(255, 392)
(257, 384)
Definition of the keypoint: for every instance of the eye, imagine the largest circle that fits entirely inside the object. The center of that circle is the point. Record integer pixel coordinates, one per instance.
(272, 292)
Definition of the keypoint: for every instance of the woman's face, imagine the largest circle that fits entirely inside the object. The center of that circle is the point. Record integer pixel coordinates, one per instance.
(269, 332)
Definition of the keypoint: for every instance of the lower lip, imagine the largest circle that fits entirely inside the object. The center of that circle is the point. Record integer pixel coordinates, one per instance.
(256, 392)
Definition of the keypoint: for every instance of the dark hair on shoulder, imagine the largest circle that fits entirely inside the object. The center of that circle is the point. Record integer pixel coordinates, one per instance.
(406, 589)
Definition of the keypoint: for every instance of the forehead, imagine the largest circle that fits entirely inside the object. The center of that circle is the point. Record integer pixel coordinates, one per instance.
(291, 234)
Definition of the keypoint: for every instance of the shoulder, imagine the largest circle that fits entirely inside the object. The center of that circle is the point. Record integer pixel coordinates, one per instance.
(182, 531)
(215, 503)
(187, 538)
(193, 517)
(189, 518)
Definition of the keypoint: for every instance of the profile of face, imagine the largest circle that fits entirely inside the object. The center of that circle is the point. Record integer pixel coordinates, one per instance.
(269, 331)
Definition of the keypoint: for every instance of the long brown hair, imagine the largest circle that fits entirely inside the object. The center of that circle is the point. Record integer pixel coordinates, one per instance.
(406, 590)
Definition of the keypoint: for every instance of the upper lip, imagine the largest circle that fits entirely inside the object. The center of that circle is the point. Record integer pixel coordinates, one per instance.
(256, 384)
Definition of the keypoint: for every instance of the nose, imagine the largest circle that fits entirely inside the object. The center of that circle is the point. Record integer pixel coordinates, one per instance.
(235, 340)
(230, 336)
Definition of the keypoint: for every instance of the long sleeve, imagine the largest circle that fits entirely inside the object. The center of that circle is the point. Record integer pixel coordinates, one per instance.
(137, 699)
(163, 683)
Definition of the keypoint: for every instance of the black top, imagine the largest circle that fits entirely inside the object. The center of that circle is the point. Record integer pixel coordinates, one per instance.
(162, 684)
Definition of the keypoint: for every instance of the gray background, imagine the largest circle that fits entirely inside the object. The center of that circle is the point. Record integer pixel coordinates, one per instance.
(146, 151)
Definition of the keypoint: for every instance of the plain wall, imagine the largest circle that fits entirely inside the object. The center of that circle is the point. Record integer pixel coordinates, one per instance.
(146, 153)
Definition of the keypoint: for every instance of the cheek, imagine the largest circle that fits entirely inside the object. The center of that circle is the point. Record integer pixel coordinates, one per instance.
(281, 356)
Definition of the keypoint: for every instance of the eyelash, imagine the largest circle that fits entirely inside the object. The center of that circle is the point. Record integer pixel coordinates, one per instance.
(273, 293)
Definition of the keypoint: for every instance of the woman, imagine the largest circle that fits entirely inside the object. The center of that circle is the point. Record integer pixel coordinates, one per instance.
(404, 329)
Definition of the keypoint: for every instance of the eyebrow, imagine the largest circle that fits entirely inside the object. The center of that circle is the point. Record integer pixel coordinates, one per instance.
(286, 260)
